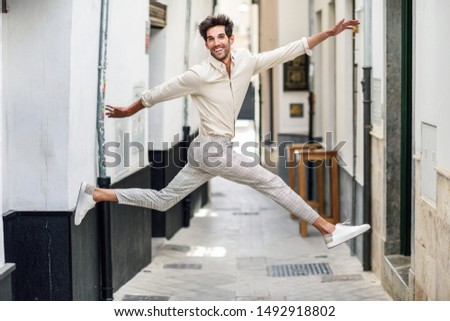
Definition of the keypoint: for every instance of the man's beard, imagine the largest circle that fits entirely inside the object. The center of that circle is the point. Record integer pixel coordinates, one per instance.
(223, 56)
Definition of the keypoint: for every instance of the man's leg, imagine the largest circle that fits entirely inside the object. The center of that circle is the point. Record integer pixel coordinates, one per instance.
(186, 181)
(243, 170)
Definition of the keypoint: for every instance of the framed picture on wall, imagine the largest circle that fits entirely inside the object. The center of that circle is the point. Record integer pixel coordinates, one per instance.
(295, 74)
(296, 110)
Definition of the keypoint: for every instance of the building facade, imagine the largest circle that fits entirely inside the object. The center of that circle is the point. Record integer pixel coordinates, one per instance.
(377, 94)
(49, 90)
(380, 99)
(409, 158)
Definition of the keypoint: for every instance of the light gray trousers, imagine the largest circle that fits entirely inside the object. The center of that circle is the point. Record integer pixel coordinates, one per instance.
(210, 156)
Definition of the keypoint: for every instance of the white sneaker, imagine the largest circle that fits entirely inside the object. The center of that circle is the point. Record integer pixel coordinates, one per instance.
(343, 233)
(84, 202)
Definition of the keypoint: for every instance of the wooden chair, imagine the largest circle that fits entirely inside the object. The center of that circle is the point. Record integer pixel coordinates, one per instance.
(293, 151)
(323, 159)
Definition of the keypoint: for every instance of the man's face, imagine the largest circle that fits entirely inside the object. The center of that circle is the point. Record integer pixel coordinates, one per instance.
(218, 42)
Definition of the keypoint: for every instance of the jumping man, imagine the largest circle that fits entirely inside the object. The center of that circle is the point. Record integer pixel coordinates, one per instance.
(218, 86)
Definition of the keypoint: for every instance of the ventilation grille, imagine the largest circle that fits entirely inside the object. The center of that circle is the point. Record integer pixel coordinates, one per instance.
(129, 297)
(245, 213)
(182, 266)
(288, 270)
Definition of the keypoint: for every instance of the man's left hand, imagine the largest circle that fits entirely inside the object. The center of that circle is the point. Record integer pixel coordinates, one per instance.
(341, 26)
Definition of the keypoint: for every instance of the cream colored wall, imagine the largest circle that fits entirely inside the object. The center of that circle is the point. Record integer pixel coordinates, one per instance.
(268, 41)
(324, 70)
(294, 24)
(378, 206)
(431, 256)
(432, 242)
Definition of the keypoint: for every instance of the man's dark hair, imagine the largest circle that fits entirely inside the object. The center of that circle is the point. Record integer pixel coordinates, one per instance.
(212, 21)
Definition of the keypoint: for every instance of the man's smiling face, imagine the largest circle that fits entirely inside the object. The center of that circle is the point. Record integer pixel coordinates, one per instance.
(218, 43)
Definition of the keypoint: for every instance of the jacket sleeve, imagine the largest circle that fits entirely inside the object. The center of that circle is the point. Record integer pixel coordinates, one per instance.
(185, 84)
(269, 59)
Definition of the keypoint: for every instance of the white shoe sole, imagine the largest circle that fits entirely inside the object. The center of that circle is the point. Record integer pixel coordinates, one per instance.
(364, 228)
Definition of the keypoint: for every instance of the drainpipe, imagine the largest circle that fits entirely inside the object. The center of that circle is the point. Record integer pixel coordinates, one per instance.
(4, 6)
(103, 209)
(311, 76)
(186, 129)
(311, 103)
(355, 130)
(367, 208)
(367, 101)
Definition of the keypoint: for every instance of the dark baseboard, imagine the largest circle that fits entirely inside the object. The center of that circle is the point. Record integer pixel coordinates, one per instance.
(165, 165)
(40, 245)
(56, 260)
(131, 230)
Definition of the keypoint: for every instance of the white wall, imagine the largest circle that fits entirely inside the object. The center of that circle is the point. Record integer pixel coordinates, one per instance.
(239, 12)
(325, 72)
(82, 140)
(378, 70)
(37, 38)
(198, 52)
(2, 247)
(333, 83)
(326, 103)
(126, 78)
(432, 74)
(167, 48)
(51, 94)
(294, 24)
(359, 61)
(344, 89)
(4, 137)
(174, 109)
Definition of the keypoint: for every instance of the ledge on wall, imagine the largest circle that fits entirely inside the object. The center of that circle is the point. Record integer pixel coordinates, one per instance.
(5, 281)
(397, 269)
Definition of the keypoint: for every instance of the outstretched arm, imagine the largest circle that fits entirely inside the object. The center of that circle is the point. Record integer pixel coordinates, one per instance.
(120, 112)
(269, 59)
(334, 31)
(187, 83)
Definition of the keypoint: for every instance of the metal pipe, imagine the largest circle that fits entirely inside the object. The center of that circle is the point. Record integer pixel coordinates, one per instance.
(311, 99)
(187, 41)
(368, 32)
(354, 128)
(101, 87)
(186, 204)
(367, 195)
(103, 208)
(4, 6)
(406, 190)
(311, 104)
(104, 235)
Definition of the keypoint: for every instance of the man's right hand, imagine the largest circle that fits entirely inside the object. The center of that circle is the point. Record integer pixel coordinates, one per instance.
(117, 112)
(121, 112)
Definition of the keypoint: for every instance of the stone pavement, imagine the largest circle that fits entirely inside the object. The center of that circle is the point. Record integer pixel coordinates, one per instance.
(243, 246)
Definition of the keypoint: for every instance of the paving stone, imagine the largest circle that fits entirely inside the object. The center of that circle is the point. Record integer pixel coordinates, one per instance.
(248, 243)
